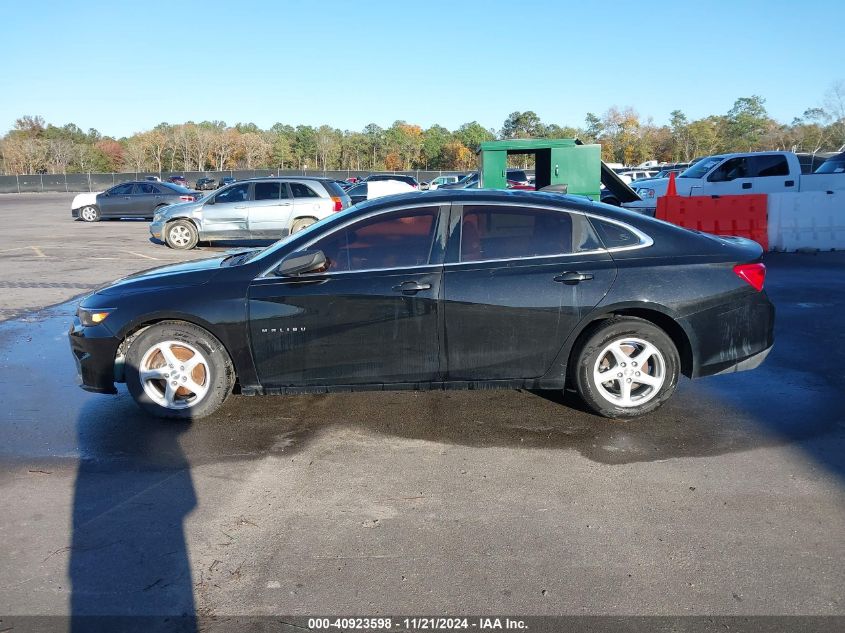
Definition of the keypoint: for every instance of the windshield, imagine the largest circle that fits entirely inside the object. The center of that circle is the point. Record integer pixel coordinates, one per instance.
(832, 166)
(700, 169)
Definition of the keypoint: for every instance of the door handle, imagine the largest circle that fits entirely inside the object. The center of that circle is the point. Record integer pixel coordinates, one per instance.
(411, 287)
(789, 183)
(746, 185)
(572, 278)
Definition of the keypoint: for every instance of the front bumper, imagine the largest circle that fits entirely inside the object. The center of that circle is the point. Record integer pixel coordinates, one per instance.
(94, 351)
(74, 213)
(157, 229)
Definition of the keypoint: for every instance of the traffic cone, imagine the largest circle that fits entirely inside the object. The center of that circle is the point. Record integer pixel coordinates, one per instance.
(670, 190)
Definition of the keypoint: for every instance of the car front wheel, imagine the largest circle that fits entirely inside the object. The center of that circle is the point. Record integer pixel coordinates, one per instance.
(178, 370)
(89, 213)
(181, 234)
(626, 368)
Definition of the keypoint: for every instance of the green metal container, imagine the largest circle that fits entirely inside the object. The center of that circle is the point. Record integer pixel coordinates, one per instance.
(558, 162)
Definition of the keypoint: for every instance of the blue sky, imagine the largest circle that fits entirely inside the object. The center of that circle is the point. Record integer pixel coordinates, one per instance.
(124, 67)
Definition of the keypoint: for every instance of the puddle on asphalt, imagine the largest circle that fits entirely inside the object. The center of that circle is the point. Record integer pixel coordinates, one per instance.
(46, 415)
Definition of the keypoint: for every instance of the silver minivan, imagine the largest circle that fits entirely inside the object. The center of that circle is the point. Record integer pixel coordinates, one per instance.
(260, 208)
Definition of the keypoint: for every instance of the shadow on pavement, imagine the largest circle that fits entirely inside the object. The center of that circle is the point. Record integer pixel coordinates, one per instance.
(129, 566)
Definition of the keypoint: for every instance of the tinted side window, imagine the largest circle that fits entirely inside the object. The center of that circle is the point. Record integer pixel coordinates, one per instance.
(235, 193)
(614, 235)
(773, 165)
(731, 170)
(121, 190)
(268, 191)
(146, 189)
(390, 240)
(500, 232)
(302, 191)
(358, 190)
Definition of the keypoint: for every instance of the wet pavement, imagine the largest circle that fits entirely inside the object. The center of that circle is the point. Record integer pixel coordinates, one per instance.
(727, 500)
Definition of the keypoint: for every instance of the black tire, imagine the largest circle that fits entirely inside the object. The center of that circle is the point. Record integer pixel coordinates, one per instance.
(90, 213)
(181, 235)
(593, 355)
(300, 224)
(217, 375)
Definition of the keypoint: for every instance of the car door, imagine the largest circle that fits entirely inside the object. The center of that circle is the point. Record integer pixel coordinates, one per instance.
(225, 215)
(114, 202)
(771, 174)
(517, 280)
(371, 317)
(732, 177)
(145, 197)
(306, 201)
(270, 210)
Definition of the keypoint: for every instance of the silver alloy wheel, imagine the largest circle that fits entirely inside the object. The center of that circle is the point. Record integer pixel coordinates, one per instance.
(179, 235)
(89, 214)
(174, 374)
(629, 372)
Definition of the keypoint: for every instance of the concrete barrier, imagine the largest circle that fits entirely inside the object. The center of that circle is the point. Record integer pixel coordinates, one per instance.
(807, 220)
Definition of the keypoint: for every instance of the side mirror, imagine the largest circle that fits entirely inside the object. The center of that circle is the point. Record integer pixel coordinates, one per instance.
(299, 263)
(210, 200)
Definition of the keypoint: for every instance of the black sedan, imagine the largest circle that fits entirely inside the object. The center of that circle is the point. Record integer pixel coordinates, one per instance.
(444, 289)
(130, 200)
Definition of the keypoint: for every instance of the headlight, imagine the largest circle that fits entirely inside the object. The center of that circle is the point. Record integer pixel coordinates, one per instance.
(645, 193)
(92, 317)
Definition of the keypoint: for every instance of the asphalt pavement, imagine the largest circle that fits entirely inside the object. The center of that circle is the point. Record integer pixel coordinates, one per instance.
(729, 500)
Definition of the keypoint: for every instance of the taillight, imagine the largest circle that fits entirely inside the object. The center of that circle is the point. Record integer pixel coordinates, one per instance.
(186, 198)
(754, 274)
(338, 203)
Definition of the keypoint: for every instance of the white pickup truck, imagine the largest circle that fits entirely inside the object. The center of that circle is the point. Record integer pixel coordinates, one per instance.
(737, 174)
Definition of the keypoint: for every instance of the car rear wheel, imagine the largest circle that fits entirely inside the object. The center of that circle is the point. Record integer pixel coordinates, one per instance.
(301, 223)
(89, 213)
(181, 234)
(178, 370)
(626, 368)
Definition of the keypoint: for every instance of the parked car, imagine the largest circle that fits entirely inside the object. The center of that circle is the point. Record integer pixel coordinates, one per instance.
(205, 184)
(369, 190)
(261, 208)
(738, 174)
(227, 180)
(442, 289)
(833, 165)
(406, 179)
(434, 183)
(470, 181)
(178, 180)
(134, 199)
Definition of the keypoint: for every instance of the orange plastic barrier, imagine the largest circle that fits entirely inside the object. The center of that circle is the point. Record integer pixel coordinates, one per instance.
(744, 216)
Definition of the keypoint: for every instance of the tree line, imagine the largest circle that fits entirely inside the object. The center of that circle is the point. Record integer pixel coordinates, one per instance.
(34, 146)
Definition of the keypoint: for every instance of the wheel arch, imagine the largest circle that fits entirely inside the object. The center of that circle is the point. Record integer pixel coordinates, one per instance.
(132, 330)
(656, 315)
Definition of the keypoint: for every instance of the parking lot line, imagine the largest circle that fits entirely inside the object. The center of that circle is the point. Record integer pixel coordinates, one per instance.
(38, 251)
(142, 255)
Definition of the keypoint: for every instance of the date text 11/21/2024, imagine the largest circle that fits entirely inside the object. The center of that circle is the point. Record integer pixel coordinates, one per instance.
(417, 624)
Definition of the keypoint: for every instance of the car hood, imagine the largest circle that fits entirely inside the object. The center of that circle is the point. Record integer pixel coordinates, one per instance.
(182, 209)
(193, 273)
(82, 199)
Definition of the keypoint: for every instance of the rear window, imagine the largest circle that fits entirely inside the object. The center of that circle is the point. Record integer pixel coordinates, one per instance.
(175, 188)
(835, 165)
(517, 175)
(615, 235)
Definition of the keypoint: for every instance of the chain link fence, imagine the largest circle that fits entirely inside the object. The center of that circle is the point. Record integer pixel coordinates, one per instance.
(75, 183)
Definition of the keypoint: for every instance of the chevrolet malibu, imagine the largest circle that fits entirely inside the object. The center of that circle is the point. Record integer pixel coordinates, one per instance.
(453, 289)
